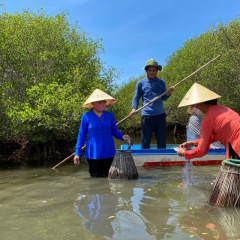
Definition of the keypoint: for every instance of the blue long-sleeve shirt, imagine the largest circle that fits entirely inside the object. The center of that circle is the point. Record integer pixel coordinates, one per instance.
(100, 143)
(148, 90)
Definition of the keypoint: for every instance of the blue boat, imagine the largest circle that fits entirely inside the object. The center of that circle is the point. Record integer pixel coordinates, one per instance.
(168, 157)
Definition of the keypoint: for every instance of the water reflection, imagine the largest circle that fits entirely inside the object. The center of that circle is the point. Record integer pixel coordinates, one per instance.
(229, 218)
(95, 209)
(203, 223)
(68, 204)
(115, 212)
(129, 210)
(157, 216)
(155, 206)
(129, 222)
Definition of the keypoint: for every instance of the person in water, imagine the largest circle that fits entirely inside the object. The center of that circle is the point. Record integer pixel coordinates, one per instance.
(99, 127)
(219, 124)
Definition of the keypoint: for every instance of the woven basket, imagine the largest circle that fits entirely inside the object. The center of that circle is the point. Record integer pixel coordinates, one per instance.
(123, 166)
(226, 191)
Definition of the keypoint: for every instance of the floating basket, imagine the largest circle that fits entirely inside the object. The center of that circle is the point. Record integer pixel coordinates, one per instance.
(123, 166)
(226, 191)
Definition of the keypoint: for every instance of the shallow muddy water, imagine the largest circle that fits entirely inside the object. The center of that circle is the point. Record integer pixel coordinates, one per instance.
(41, 203)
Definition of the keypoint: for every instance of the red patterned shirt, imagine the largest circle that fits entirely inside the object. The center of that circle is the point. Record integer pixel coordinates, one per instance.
(220, 124)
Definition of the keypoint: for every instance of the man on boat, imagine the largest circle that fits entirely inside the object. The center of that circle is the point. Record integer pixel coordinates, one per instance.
(153, 116)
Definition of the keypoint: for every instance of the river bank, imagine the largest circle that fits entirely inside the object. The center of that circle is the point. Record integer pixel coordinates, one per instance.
(18, 152)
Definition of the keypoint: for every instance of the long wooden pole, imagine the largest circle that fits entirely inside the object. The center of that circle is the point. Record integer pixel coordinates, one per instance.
(156, 98)
(69, 157)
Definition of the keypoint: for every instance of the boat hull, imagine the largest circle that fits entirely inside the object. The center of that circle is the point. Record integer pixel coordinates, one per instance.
(154, 157)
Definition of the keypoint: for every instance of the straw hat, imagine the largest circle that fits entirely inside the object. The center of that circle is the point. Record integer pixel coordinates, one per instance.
(197, 94)
(96, 96)
(152, 63)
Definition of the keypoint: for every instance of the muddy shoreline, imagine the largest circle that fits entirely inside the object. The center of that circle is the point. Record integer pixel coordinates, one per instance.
(18, 152)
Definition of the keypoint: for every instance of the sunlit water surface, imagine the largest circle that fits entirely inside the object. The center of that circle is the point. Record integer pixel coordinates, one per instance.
(64, 204)
(41, 203)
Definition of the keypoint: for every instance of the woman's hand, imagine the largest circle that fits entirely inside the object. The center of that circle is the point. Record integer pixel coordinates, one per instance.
(124, 138)
(76, 160)
(187, 145)
(180, 152)
(213, 147)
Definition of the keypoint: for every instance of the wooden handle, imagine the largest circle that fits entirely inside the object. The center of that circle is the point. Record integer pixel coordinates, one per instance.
(64, 160)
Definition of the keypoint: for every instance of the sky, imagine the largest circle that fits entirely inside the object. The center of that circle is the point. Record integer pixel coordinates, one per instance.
(134, 31)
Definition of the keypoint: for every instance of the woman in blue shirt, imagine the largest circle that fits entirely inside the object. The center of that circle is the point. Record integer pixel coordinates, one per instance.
(99, 126)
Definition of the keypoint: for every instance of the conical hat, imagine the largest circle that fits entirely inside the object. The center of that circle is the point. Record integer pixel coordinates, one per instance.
(96, 96)
(197, 94)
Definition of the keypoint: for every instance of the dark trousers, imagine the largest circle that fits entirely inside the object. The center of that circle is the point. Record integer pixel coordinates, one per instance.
(232, 153)
(151, 124)
(99, 167)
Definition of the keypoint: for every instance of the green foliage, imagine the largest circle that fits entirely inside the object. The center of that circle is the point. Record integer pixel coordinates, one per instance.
(48, 114)
(47, 70)
(49, 67)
